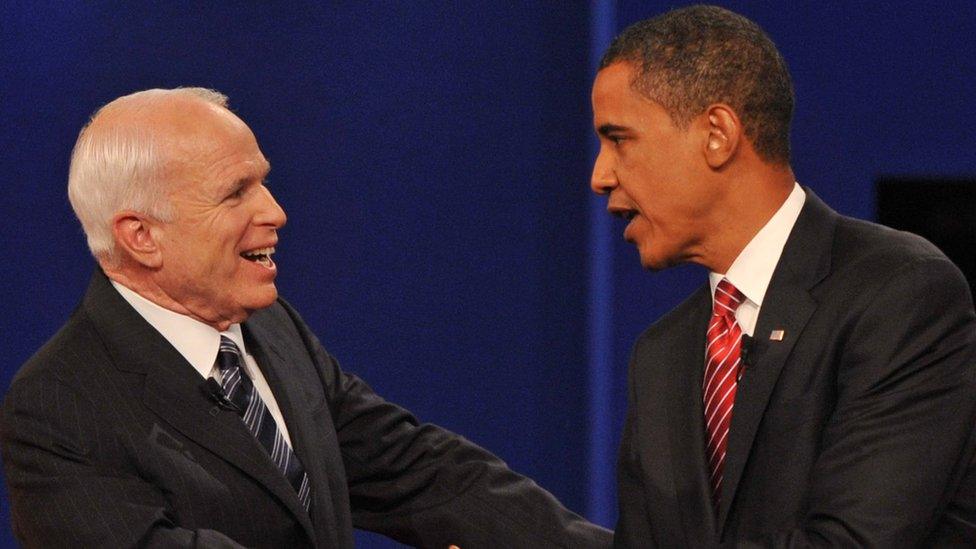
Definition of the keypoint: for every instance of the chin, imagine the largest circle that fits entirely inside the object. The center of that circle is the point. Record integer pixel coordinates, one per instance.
(262, 298)
(653, 266)
(655, 263)
(649, 261)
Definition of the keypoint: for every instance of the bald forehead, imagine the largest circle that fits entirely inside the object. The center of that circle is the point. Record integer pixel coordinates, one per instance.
(163, 111)
(180, 128)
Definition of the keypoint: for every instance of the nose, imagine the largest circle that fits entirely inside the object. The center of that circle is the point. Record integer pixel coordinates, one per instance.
(603, 180)
(269, 211)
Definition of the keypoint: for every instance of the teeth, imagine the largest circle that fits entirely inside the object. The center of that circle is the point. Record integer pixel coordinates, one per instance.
(259, 252)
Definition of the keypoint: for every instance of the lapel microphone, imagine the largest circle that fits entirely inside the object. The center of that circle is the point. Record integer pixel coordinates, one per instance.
(748, 349)
(215, 392)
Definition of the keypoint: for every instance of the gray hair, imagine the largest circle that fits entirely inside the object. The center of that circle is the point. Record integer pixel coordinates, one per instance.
(121, 168)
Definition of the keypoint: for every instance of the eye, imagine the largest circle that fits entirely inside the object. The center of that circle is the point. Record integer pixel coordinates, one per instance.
(236, 193)
(615, 139)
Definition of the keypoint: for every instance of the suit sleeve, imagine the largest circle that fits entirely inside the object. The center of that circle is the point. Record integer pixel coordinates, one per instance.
(634, 522)
(63, 494)
(896, 449)
(426, 486)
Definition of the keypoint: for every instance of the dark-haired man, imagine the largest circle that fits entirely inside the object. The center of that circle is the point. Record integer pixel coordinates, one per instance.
(847, 416)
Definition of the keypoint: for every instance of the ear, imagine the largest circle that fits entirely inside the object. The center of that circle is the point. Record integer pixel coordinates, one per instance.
(136, 237)
(724, 134)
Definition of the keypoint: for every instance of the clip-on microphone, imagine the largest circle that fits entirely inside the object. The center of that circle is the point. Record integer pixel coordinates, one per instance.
(748, 348)
(216, 393)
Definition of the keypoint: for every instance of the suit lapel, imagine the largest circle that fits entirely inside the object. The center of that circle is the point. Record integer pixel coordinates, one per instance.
(789, 312)
(296, 396)
(221, 432)
(787, 306)
(684, 419)
(173, 391)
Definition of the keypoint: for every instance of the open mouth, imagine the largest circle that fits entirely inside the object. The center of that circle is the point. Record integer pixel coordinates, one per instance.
(261, 256)
(627, 214)
(624, 213)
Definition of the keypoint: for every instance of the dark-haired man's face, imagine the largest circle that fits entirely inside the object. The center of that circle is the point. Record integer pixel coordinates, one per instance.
(653, 171)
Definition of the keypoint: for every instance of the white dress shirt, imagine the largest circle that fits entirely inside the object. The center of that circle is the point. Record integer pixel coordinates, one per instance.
(752, 270)
(199, 343)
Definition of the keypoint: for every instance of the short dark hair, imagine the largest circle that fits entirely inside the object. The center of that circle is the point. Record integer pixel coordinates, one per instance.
(692, 57)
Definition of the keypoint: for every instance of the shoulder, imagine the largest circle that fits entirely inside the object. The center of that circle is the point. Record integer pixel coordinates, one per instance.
(56, 387)
(896, 287)
(280, 319)
(76, 345)
(868, 257)
(858, 241)
(680, 318)
(824, 242)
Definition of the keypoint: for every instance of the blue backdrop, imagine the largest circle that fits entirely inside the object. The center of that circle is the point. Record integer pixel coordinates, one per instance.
(434, 162)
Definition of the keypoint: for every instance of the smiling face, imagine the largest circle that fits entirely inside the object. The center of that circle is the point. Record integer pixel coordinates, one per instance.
(655, 173)
(216, 252)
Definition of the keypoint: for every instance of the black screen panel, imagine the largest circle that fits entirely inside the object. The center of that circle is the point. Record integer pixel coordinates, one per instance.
(941, 210)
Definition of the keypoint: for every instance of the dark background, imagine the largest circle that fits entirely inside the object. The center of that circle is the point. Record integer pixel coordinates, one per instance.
(434, 160)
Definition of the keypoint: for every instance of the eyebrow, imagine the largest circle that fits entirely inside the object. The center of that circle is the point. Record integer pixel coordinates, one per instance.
(262, 171)
(607, 129)
(241, 182)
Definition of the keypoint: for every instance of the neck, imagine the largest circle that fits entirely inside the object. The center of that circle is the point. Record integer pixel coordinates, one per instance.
(753, 199)
(144, 285)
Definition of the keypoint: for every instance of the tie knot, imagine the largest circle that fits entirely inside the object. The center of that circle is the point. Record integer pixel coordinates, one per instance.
(228, 355)
(727, 299)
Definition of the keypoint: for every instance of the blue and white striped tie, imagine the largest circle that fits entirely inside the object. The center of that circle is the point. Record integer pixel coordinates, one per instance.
(239, 389)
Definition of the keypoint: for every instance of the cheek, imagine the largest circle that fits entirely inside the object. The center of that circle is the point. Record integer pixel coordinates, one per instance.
(646, 176)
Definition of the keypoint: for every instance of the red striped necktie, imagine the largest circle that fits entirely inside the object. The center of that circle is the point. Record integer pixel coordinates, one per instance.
(722, 351)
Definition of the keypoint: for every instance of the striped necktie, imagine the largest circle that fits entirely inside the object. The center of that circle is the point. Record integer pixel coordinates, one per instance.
(722, 352)
(239, 389)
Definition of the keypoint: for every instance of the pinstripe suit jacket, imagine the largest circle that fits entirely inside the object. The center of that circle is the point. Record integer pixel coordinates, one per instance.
(109, 441)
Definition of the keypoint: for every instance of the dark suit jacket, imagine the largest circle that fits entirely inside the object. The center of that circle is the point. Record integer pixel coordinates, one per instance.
(855, 430)
(109, 441)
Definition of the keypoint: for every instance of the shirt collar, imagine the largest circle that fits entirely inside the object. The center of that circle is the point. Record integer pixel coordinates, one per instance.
(753, 269)
(196, 341)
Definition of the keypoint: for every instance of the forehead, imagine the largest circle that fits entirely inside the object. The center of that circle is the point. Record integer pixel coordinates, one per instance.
(615, 101)
(613, 79)
(217, 145)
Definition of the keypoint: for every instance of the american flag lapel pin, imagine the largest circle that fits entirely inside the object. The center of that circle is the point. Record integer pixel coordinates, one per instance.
(777, 335)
